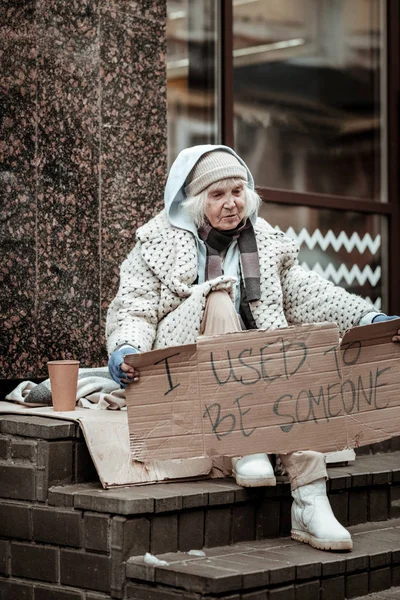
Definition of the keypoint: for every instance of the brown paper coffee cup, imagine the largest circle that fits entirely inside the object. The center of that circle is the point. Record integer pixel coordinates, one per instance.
(64, 383)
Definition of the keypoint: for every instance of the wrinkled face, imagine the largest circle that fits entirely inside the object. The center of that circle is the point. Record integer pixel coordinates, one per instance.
(226, 204)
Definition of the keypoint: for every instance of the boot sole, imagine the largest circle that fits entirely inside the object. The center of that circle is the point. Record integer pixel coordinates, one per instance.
(307, 538)
(254, 481)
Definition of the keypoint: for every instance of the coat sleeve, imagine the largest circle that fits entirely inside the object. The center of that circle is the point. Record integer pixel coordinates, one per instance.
(309, 298)
(132, 315)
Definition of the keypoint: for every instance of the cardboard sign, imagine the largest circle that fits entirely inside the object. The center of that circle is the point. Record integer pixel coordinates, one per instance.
(298, 388)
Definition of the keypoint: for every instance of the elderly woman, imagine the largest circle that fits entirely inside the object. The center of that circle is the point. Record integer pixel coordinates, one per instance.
(206, 265)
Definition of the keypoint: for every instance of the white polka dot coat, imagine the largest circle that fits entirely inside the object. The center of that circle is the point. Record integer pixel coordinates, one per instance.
(159, 304)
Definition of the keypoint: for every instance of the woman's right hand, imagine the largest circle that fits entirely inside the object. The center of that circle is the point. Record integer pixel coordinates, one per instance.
(120, 371)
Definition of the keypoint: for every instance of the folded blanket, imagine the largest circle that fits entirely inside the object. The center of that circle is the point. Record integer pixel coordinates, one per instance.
(96, 390)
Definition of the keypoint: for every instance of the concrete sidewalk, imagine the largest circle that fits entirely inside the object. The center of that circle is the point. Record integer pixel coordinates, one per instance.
(392, 594)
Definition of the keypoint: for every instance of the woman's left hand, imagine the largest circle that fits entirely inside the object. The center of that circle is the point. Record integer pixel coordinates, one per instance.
(382, 318)
(120, 371)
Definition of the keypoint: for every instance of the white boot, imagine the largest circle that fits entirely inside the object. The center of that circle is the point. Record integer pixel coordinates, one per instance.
(254, 470)
(313, 521)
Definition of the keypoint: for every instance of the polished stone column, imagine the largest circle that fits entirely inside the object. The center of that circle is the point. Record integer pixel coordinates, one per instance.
(82, 165)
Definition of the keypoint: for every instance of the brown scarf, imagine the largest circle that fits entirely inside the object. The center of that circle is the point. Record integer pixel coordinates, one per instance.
(216, 241)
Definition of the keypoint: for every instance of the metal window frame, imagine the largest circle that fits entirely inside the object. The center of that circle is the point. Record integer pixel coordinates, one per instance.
(389, 209)
(393, 108)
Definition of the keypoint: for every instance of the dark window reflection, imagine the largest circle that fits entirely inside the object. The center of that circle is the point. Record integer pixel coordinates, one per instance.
(191, 74)
(307, 94)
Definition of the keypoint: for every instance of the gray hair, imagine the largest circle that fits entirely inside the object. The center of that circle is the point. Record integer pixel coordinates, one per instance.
(196, 206)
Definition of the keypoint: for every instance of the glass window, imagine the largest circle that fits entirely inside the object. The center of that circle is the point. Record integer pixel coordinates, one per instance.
(344, 247)
(192, 46)
(308, 109)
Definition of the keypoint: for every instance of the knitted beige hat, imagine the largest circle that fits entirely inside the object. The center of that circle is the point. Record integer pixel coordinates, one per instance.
(213, 166)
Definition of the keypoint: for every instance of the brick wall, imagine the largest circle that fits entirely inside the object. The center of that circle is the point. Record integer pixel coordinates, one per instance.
(62, 537)
(43, 548)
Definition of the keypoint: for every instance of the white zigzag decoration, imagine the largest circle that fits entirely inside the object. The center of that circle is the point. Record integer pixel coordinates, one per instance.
(355, 273)
(337, 242)
(377, 303)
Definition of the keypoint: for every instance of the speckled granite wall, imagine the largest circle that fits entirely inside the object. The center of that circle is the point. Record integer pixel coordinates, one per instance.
(82, 165)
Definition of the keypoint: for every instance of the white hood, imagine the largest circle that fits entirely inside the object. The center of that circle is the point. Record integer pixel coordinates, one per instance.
(174, 190)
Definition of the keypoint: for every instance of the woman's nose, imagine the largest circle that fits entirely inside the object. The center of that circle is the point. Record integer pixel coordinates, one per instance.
(229, 201)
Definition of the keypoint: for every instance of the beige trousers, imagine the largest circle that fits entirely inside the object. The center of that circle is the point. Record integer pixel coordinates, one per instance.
(220, 317)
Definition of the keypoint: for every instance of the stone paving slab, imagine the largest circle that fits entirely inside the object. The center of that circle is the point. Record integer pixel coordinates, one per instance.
(391, 594)
(374, 470)
(264, 564)
(38, 427)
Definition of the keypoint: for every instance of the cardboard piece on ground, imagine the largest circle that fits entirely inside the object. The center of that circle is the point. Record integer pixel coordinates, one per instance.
(107, 438)
(279, 391)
